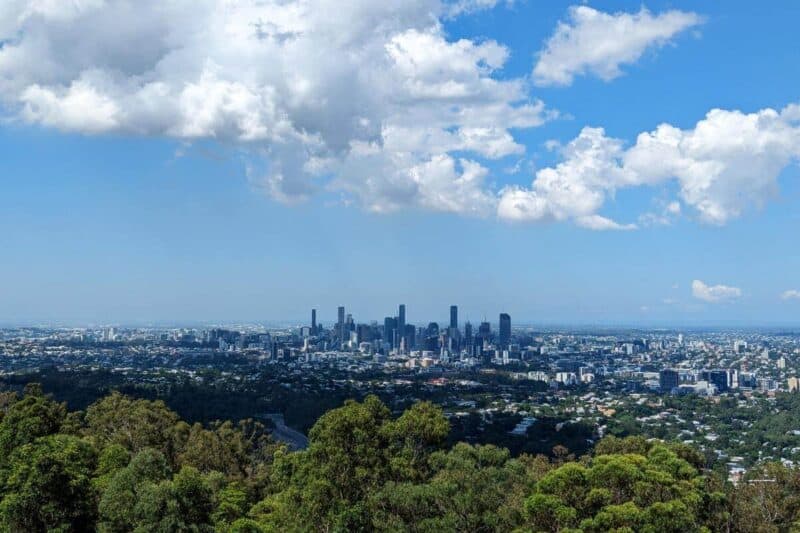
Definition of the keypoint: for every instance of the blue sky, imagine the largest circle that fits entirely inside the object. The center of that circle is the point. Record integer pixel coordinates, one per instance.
(126, 197)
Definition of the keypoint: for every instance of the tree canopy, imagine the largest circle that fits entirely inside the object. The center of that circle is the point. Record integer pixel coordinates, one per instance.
(133, 465)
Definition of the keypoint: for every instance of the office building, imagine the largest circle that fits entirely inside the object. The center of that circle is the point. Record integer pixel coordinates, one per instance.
(505, 329)
(389, 328)
(668, 379)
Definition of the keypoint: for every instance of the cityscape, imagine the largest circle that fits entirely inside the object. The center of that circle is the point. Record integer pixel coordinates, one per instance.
(399, 266)
(525, 387)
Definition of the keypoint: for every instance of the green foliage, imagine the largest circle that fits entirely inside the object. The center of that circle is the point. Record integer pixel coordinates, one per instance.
(126, 487)
(232, 506)
(768, 499)
(27, 419)
(134, 424)
(232, 450)
(48, 486)
(133, 466)
(472, 488)
(546, 512)
(651, 490)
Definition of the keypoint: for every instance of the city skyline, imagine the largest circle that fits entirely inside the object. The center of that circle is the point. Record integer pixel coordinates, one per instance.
(422, 151)
(399, 265)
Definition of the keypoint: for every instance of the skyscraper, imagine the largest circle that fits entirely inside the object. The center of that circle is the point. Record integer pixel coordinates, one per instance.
(340, 324)
(313, 321)
(389, 327)
(401, 324)
(453, 317)
(505, 330)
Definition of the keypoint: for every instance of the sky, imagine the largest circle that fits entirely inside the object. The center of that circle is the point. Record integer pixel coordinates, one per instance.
(596, 162)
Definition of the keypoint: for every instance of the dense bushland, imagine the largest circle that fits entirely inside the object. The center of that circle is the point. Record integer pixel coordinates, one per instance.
(133, 465)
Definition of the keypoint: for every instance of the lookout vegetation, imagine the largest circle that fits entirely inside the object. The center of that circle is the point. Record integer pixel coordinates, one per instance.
(133, 465)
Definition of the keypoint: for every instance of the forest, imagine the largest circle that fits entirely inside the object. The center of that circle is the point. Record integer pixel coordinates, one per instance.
(126, 464)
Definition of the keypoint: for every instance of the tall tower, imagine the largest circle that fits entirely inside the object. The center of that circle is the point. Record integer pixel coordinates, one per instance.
(340, 323)
(453, 317)
(313, 321)
(401, 325)
(505, 330)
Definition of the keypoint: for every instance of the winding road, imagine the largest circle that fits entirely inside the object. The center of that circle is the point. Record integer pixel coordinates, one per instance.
(283, 433)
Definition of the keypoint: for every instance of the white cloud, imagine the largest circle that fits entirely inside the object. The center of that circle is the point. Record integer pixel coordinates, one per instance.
(791, 294)
(574, 189)
(725, 166)
(601, 223)
(461, 7)
(593, 42)
(79, 106)
(370, 99)
(667, 215)
(714, 293)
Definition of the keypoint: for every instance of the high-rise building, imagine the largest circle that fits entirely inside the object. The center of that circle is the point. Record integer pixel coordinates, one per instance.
(453, 317)
(340, 324)
(313, 321)
(389, 328)
(409, 337)
(401, 324)
(668, 379)
(719, 378)
(505, 329)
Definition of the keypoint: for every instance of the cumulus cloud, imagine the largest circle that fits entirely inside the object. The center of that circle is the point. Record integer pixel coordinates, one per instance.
(791, 294)
(593, 42)
(368, 99)
(574, 189)
(726, 165)
(714, 293)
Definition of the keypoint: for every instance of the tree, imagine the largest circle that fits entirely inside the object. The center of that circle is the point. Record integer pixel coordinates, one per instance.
(234, 450)
(27, 419)
(134, 424)
(126, 487)
(545, 512)
(232, 505)
(112, 459)
(7, 399)
(418, 432)
(767, 499)
(353, 451)
(48, 486)
(613, 445)
(658, 492)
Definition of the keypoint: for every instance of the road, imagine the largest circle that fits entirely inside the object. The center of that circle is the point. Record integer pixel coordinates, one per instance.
(283, 433)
